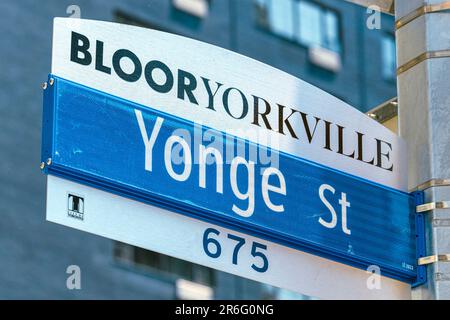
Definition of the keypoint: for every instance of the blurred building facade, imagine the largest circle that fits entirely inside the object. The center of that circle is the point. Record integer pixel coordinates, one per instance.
(324, 42)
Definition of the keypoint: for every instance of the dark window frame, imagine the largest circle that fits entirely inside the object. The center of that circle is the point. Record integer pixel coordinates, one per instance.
(163, 267)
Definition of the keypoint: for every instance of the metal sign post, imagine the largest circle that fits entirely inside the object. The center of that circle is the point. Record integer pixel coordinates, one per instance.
(423, 45)
(423, 59)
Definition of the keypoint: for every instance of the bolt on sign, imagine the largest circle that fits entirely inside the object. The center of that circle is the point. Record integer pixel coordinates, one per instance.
(200, 153)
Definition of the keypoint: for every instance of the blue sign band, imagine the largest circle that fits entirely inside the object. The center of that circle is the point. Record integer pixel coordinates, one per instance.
(100, 140)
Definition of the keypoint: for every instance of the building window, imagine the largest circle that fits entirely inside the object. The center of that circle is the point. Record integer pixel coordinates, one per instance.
(125, 18)
(388, 54)
(280, 22)
(302, 21)
(162, 265)
(197, 8)
(275, 293)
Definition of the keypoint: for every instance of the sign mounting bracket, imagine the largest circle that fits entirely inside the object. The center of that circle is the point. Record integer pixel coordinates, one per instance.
(419, 199)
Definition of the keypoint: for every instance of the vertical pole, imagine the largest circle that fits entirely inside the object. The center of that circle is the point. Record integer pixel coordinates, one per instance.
(423, 59)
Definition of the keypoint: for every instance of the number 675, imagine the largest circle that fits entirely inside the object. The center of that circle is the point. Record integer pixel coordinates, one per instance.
(216, 251)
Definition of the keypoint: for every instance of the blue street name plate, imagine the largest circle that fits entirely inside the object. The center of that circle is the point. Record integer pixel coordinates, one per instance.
(137, 152)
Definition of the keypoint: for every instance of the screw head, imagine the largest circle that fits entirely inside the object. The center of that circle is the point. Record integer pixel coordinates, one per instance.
(42, 165)
(51, 81)
(49, 161)
(44, 85)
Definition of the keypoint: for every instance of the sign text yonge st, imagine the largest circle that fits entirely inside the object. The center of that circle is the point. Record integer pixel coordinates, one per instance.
(230, 101)
(128, 149)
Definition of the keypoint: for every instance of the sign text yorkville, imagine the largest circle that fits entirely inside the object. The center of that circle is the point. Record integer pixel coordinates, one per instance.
(254, 162)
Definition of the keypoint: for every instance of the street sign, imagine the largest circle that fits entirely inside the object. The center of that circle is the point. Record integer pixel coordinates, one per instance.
(185, 238)
(228, 146)
(153, 157)
(228, 92)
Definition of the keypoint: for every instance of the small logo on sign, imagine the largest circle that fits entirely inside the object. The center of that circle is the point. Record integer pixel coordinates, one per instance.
(75, 206)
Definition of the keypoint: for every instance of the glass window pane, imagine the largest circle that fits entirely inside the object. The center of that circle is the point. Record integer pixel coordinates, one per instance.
(281, 17)
(164, 264)
(203, 275)
(388, 55)
(309, 32)
(332, 31)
